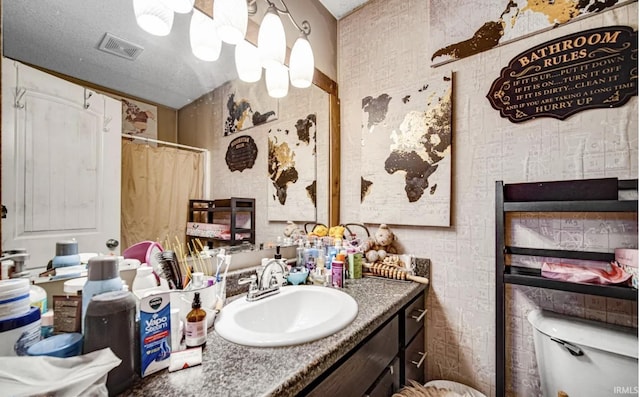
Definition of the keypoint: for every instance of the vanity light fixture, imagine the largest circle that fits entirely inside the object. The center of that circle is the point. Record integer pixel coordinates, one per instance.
(231, 17)
(301, 63)
(272, 42)
(277, 81)
(229, 24)
(272, 48)
(180, 6)
(248, 62)
(205, 42)
(153, 16)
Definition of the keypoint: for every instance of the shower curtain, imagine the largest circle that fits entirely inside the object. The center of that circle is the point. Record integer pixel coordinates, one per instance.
(157, 183)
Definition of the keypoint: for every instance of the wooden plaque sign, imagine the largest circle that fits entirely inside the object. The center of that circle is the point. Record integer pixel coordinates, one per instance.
(241, 153)
(596, 68)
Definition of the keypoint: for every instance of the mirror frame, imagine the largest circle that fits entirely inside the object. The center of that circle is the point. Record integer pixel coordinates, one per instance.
(320, 80)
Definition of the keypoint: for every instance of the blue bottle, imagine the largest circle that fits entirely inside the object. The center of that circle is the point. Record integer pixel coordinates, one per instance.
(66, 254)
(102, 276)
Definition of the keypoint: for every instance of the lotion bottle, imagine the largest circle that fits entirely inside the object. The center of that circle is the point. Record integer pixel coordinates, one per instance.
(196, 327)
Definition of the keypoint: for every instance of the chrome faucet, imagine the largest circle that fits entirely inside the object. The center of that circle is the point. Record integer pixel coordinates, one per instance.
(19, 257)
(265, 283)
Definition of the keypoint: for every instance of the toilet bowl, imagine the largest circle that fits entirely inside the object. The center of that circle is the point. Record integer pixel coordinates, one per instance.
(584, 358)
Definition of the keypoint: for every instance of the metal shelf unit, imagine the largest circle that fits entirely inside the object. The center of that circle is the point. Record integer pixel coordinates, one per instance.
(591, 195)
(204, 211)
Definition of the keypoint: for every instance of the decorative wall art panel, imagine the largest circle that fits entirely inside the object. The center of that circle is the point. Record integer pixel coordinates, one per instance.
(406, 155)
(292, 170)
(241, 153)
(595, 68)
(459, 29)
(139, 118)
(246, 105)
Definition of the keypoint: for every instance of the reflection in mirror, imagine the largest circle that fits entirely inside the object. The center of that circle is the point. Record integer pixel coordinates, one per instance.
(190, 110)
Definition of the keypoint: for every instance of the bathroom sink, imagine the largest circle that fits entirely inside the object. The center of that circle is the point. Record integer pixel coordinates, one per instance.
(297, 314)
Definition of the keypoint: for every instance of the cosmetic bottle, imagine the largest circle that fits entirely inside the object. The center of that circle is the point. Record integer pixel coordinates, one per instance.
(333, 250)
(66, 254)
(102, 276)
(300, 255)
(196, 327)
(310, 257)
(337, 271)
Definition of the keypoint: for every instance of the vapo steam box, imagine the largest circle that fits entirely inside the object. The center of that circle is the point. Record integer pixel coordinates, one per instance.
(155, 333)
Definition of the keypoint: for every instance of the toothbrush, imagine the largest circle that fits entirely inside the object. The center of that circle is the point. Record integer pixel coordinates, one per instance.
(219, 303)
(219, 259)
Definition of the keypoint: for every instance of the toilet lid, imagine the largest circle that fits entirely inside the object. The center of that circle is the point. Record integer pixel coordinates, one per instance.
(456, 387)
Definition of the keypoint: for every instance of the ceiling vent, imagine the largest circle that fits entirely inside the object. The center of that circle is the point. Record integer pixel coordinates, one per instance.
(120, 47)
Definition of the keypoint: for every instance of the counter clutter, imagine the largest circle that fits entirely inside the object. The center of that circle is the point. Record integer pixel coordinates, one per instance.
(229, 369)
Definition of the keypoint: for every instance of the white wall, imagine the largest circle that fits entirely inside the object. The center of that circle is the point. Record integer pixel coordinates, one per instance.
(384, 46)
(200, 124)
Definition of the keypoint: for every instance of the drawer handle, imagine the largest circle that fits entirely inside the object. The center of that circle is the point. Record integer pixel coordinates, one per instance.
(419, 318)
(419, 363)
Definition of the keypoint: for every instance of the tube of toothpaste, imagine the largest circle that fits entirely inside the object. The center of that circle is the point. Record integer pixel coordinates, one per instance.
(185, 359)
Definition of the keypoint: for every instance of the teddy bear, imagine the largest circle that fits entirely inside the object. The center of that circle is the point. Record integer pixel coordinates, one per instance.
(293, 231)
(380, 244)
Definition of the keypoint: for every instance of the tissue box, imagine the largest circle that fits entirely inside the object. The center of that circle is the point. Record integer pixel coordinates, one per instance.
(628, 260)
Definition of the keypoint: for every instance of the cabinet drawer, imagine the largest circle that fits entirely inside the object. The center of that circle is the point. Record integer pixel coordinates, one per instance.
(387, 383)
(414, 318)
(415, 359)
(358, 372)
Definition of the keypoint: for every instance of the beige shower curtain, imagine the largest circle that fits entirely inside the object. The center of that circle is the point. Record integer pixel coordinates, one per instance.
(157, 183)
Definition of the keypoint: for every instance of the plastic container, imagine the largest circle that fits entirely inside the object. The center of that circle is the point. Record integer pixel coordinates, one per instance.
(111, 322)
(143, 251)
(74, 286)
(66, 254)
(102, 277)
(38, 298)
(18, 333)
(46, 324)
(14, 297)
(298, 276)
(144, 282)
(337, 271)
(62, 345)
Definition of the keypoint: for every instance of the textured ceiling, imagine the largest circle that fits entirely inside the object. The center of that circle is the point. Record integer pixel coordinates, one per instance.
(63, 36)
(340, 8)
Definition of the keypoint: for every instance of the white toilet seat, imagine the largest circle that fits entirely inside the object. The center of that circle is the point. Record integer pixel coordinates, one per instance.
(456, 387)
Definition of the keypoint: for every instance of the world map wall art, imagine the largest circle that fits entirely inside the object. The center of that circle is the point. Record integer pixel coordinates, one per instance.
(246, 105)
(406, 155)
(458, 28)
(292, 170)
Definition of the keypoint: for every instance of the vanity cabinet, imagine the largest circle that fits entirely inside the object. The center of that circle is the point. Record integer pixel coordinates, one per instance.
(382, 362)
(413, 353)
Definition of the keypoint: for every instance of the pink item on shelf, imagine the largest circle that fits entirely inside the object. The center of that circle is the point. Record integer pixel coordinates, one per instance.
(627, 258)
(584, 274)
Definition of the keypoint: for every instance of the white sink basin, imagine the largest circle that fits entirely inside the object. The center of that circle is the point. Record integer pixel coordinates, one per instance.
(297, 314)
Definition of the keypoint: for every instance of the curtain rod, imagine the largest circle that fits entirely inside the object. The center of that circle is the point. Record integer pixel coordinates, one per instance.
(177, 145)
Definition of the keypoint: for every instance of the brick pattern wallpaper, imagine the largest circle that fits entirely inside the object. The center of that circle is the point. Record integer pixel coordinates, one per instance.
(384, 46)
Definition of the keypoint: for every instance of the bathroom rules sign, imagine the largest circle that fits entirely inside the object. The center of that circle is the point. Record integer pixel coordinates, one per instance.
(596, 68)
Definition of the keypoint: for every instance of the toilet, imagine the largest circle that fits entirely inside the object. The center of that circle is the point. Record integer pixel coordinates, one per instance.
(583, 358)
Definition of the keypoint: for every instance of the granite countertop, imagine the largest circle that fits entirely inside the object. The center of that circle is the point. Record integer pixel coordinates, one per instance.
(229, 369)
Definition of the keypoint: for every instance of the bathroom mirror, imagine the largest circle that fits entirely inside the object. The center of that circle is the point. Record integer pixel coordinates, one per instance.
(49, 24)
